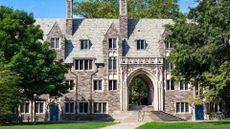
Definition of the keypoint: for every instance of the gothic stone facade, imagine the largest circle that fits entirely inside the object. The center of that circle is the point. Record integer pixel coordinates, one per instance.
(106, 54)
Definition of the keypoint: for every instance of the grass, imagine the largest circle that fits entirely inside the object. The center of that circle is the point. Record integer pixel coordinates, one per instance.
(86, 125)
(187, 125)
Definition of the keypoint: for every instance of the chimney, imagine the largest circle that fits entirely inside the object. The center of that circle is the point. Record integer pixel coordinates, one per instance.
(123, 19)
(69, 19)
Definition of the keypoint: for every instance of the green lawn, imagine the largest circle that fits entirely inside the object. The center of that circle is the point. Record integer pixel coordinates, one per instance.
(88, 125)
(187, 125)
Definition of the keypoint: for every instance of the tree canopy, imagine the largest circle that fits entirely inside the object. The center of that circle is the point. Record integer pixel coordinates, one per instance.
(136, 9)
(9, 93)
(202, 48)
(25, 53)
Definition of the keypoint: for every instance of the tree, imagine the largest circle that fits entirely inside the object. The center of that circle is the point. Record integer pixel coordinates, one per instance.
(138, 92)
(136, 9)
(9, 93)
(202, 48)
(27, 55)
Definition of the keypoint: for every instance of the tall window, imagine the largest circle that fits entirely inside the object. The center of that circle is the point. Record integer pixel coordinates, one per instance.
(24, 108)
(112, 63)
(141, 44)
(183, 85)
(170, 85)
(182, 107)
(70, 83)
(97, 85)
(55, 43)
(112, 84)
(83, 64)
(69, 107)
(39, 107)
(112, 43)
(85, 44)
(99, 107)
(83, 107)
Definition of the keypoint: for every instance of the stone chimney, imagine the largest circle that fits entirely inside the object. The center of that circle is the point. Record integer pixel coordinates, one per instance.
(69, 19)
(123, 19)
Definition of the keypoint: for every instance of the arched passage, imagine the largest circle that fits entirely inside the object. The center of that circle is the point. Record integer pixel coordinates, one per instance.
(140, 90)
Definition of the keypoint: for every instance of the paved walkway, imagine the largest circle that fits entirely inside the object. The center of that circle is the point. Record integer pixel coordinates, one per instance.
(125, 125)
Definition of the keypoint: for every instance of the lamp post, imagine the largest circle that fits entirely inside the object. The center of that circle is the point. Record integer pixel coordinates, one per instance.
(34, 97)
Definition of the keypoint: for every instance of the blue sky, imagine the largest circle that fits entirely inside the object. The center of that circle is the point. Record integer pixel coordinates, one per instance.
(57, 8)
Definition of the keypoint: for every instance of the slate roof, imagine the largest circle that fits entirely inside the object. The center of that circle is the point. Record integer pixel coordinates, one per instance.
(94, 29)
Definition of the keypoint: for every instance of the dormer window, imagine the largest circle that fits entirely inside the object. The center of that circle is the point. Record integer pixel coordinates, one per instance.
(55, 43)
(85, 44)
(141, 44)
(112, 43)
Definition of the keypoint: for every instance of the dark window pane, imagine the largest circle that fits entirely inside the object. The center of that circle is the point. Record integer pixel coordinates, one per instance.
(104, 108)
(110, 63)
(66, 107)
(182, 107)
(71, 107)
(90, 64)
(114, 63)
(114, 43)
(168, 84)
(186, 107)
(138, 45)
(41, 107)
(81, 64)
(99, 85)
(86, 64)
(95, 85)
(27, 108)
(110, 84)
(86, 108)
(81, 107)
(172, 85)
(114, 84)
(36, 107)
(95, 107)
(110, 44)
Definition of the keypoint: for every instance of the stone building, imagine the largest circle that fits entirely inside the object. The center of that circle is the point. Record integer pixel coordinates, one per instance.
(105, 55)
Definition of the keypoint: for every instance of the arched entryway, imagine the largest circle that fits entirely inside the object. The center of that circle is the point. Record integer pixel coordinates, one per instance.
(140, 90)
(154, 90)
(53, 112)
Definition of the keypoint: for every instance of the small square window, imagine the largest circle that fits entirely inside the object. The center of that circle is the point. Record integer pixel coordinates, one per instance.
(69, 107)
(83, 107)
(141, 44)
(170, 85)
(99, 107)
(182, 107)
(183, 85)
(55, 43)
(85, 44)
(70, 83)
(39, 107)
(97, 85)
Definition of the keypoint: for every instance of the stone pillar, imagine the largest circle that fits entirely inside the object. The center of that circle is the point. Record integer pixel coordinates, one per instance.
(69, 19)
(123, 19)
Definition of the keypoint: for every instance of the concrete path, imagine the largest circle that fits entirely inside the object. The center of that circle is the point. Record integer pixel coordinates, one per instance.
(125, 125)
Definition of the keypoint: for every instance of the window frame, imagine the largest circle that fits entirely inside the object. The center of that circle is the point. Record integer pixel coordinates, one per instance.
(88, 108)
(102, 108)
(39, 107)
(69, 112)
(74, 84)
(54, 42)
(112, 84)
(184, 85)
(169, 87)
(113, 65)
(186, 108)
(85, 44)
(98, 79)
(24, 108)
(112, 43)
(141, 44)
(78, 64)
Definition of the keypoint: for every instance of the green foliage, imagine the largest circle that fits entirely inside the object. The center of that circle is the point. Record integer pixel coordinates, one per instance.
(83, 125)
(27, 55)
(136, 9)
(202, 48)
(186, 125)
(138, 92)
(9, 93)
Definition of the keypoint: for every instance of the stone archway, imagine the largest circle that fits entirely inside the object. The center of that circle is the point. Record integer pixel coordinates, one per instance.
(152, 78)
(140, 90)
